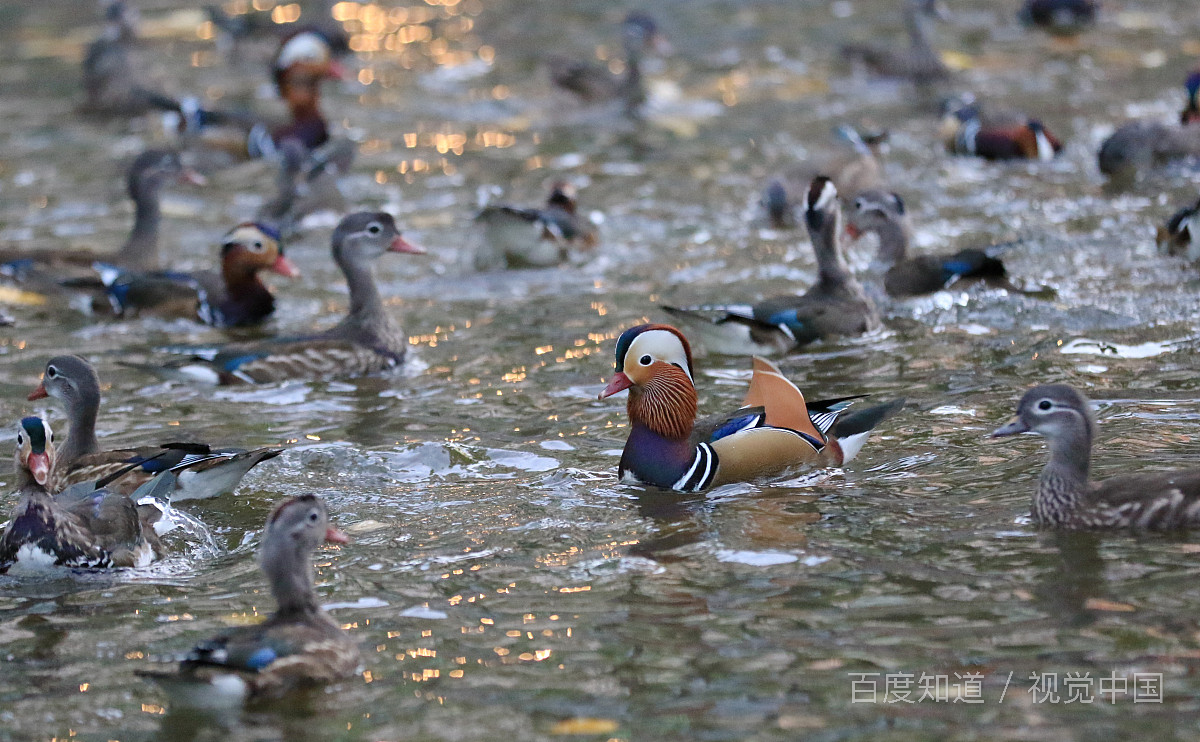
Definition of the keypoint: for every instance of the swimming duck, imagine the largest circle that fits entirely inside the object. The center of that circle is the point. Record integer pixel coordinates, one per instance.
(1065, 496)
(298, 646)
(307, 183)
(772, 433)
(518, 237)
(364, 342)
(235, 297)
(883, 214)
(859, 170)
(1060, 17)
(150, 172)
(997, 136)
(920, 62)
(202, 472)
(1177, 238)
(593, 83)
(835, 306)
(1139, 146)
(93, 528)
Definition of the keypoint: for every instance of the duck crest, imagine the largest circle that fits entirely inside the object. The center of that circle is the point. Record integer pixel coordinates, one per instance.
(632, 333)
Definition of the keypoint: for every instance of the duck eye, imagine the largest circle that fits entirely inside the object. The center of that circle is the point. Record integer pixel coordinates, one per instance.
(1045, 404)
(313, 517)
(20, 439)
(646, 360)
(51, 372)
(257, 246)
(374, 228)
(858, 204)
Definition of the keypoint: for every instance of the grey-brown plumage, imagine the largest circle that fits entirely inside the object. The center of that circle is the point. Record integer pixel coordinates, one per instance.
(1067, 498)
(593, 83)
(920, 62)
(1140, 146)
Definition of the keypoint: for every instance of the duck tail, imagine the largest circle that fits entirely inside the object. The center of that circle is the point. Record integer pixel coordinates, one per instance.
(852, 430)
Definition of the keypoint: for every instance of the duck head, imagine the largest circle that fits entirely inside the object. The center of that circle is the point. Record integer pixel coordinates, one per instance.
(874, 211)
(306, 57)
(251, 247)
(1056, 411)
(35, 449)
(640, 34)
(154, 169)
(364, 236)
(654, 362)
(295, 528)
(563, 196)
(71, 380)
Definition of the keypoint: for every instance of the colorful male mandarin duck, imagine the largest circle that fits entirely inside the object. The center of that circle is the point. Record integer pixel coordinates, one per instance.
(93, 528)
(235, 297)
(772, 433)
(149, 174)
(299, 646)
(1065, 496)
(883, 213)
(858, 171)
(366, 341)
(1178, 237)
(593, 83)
(835, 306)
(999, 136)
(202, 472)
(920, 62)
(1060, 17)
(1139, 146)
(517, 237)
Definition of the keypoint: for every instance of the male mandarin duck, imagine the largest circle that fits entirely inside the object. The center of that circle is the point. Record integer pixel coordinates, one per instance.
(202, 472)
(1060, 17)
(772, 433)
(518, 237)
(365, 341)
(90, 528)
(835, 306)
(235, 297)
(858, 171)
(594, 83)
(1066, 498)
(1139, 146)
(883, 214)
(299, 646)
(1178, 236)
(920, 62)
(1000, 136)
(149, 174)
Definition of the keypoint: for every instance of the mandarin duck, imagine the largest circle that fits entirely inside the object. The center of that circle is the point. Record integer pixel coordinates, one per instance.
(1060, 17)
(365, 341)
(52, 270)
(1177, 237)
(91, 528)
(1065, 496)
(1139, 146)
(859, 170)
(235, 297)
(996, 136)
(202, 472)
(298, 646)
(307, 182)
(593, 83)
(920, 62)
(835, 306)
(518, 237)
(773, 432)
(883, 214)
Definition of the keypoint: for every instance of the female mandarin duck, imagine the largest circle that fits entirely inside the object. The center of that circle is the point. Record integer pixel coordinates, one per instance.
(1139, 146)
(836, 305)
(920, 62)
(999, 136)
(235, 297)
(203, 472)
(92, 528)
(1065, 496)
(858, 171)
(593, 83)
(883, 213)
(364, 342)
(298, 646)
(1178, 236)
(517, 237)
(770, 435)
(149, 174)
(1060, 17)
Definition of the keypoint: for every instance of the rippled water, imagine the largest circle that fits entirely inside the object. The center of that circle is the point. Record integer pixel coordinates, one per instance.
(501, 583)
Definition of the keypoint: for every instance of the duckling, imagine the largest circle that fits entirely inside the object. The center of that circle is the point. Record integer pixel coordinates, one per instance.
(592, 83)
(1066, 497)
(518, 237)
(919, 63)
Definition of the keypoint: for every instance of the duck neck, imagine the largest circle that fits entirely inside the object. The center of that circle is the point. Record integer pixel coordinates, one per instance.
(832, 272)
(245, 289)
(1064, 481)
(141, 249)
(894, 237)
(664, 405)
(81, 429)
(366, 305)
(633, 89)
(291, 580)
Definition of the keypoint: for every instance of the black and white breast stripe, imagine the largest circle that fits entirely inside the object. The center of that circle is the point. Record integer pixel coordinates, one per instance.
(702, 472)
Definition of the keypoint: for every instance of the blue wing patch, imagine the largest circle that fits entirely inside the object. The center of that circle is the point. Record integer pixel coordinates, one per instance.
(736, 425)
(787, 318)
(261, 658)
